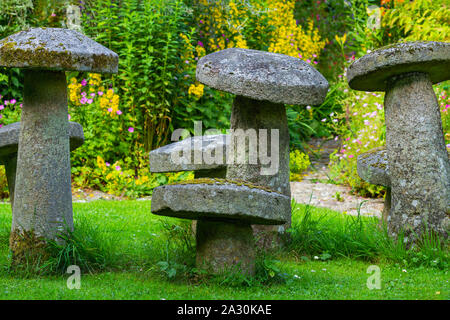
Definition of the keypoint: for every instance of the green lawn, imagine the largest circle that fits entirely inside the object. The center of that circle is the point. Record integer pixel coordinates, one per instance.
(131, 241)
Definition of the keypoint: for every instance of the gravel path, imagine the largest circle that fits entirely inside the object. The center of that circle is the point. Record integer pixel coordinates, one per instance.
(313, 190)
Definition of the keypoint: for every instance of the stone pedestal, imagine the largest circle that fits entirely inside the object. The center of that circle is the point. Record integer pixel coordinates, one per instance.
(224, 246)
(418, 160)
(43, 197)
(250, 114)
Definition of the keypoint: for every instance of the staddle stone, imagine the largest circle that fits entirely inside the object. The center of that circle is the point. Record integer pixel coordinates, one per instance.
(371, 72)
(56, 49)
(262, 75)
(219, 199)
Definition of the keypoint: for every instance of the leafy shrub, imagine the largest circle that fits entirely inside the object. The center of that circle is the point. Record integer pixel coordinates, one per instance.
(298, 163)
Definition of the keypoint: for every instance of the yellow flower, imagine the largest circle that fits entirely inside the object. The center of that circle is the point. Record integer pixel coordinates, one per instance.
(196, 90)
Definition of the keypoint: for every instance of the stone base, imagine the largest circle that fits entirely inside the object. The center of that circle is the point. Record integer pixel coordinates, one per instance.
(223, 246)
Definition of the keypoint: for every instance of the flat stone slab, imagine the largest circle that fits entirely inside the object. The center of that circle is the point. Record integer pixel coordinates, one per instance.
(263, 76)
(56, 49)
(221, 201)
(370, 72)
(9, 137)
(373, 167)
(173, 157)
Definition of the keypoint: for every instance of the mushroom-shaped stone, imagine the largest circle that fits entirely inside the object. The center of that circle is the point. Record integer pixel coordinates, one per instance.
(9, 143)
(201, 154)
(43, 198)
(419, 168)
(262, 82)
(225, 210)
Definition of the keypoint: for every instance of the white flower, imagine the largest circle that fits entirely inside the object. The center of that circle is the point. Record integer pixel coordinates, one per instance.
(404, 270)
(316, 257)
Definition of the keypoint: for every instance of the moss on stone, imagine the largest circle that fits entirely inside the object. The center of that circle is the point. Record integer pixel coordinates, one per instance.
(220, 181)
(27, 248)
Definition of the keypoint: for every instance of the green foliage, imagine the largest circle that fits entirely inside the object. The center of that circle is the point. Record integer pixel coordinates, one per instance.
(417, 20)
(298, 163)
(328, 236)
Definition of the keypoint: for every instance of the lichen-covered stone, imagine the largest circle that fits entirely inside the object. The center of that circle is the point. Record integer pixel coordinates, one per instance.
(373, 167)
(371, 72)
(419, 166)
(224, 247)
(56, 49)
(262, 75)
(9, 138)
(220, 201)
(202, 151)
(9, 141)
(43, 197)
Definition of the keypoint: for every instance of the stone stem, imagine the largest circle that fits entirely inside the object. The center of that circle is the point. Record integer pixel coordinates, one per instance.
(224, 245)
(253, 114)
(43, 200)
(418, 160)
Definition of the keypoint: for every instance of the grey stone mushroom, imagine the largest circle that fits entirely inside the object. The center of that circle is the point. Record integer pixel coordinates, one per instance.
(419, 167)
(262, 82)
(9, 143)
(43, 199)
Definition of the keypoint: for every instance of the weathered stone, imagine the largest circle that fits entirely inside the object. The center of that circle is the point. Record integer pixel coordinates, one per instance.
(418, 161)
(191, 154)
(263, 82)
(43, 197)
(223, 246)
(262, 75)
(419, 168)
(373, 167)
(9, 142)
(371, 72)
(9, 138)
(56, 49)
(221, 200)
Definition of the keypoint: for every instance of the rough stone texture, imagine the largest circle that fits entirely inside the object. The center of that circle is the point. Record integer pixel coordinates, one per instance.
(223, 246)
(161, 159)
(252, 114)
(373, 167)
(418, 161)
(56, 49)
(9, 138)
(43, 198)
(226, 202)
(371, 72)
(263, 76)
(9, 142)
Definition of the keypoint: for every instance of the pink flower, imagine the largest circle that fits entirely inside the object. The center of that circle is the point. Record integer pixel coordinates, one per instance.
(109, 109)
(118, 168)
(2, 107)
(201, 43)
(83, 82)
(89, 101)
(68, 117)
(100, 93)
(13, 101)
(119, 112)
(308, 61)
(131, 129)
(107, 164)
(93, 94)
(83, 100)
(350, 156)
(1, 116)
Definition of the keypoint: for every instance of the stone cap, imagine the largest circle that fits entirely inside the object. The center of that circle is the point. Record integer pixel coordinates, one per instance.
(219, 199)
(56, 49)
(161, 159)
(371, 72)
(9, 138)
(373, 167)
(263, 75)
